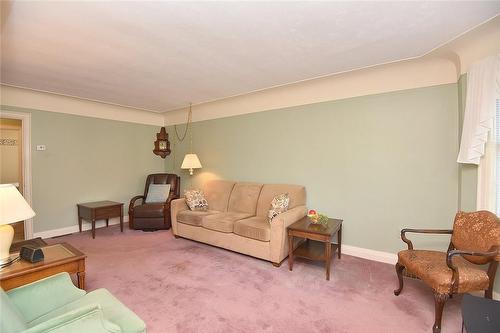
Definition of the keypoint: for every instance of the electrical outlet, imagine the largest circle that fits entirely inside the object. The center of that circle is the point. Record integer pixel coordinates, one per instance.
(40, 147)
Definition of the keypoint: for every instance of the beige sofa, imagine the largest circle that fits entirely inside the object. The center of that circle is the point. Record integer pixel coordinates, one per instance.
(237, 218)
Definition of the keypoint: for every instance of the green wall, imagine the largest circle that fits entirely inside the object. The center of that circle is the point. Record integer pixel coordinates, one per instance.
(87, 159)
(380, 162)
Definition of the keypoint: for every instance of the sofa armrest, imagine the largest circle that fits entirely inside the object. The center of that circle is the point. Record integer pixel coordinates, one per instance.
(177, 206)
(43, 296)
(88, 318)
(279, 237)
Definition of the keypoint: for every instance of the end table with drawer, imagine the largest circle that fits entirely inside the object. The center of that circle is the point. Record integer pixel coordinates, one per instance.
(99, 210)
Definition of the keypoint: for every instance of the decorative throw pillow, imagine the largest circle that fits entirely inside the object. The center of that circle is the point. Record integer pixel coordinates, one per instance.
(158, 193)
(195, 200)
(278, 205)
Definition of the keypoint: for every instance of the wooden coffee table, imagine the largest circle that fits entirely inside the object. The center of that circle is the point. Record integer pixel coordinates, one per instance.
(58, 258)
(99, 210)
(317, 241)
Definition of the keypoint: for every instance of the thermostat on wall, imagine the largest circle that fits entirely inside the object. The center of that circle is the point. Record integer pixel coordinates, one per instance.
(40, 147)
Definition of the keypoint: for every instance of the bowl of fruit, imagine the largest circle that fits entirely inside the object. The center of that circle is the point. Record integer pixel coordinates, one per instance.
(317, 218)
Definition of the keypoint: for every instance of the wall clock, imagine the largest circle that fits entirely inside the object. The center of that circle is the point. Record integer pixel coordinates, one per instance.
(162, 145)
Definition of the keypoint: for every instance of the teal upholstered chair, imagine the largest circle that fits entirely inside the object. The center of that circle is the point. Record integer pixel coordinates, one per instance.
(54, 304)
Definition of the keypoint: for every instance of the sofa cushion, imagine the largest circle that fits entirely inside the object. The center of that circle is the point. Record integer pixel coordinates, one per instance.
(244, 198)
(11, 319)
(113, 310)
(254, 227)
(296, 193)
(149, 210)
(217, 193)
(194, 217)
(222, 222)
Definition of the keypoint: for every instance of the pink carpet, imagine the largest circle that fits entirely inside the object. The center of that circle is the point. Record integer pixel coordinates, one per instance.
(177, 285)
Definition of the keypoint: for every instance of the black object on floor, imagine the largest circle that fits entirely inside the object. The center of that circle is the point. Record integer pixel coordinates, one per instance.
(480, 315)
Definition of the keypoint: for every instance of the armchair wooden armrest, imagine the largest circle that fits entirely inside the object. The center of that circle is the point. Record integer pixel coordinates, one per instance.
(133, 200)
(422, 231)
(449, 256)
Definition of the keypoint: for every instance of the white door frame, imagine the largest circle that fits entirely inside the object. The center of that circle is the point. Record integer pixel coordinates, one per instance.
(26, 128)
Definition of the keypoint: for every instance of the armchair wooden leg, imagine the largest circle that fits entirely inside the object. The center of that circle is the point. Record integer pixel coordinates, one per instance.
(492, 271)
(439, 301)
(276, 264)
(399, 272)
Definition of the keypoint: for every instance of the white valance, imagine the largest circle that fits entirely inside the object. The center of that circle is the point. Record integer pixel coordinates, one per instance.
(483, 89)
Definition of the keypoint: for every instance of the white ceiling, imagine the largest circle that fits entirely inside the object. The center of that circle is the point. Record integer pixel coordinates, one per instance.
(160, 56)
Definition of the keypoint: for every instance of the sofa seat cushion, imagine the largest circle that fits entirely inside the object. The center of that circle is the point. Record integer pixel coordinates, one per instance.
(149, 210)
(222, 222)
(254, 227)
(194, 217)
(113, 310)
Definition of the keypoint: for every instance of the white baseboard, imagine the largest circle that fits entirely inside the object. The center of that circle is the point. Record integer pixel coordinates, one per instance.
(74, 228)
(386, 257)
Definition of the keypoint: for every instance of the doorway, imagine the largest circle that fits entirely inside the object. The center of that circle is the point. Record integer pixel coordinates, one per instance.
(15, 162)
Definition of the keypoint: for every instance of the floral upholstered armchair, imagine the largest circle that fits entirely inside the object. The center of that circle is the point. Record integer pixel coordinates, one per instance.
(475, 241)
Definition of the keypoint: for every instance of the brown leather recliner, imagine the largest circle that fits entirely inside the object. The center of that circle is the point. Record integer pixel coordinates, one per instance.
(154, 216)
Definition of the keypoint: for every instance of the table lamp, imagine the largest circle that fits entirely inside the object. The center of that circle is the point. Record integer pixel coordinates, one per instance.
(191, 161)
(13, 208)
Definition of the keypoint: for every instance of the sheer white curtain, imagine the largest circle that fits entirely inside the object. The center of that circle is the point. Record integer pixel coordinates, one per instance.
(487, 175)
(479, 135)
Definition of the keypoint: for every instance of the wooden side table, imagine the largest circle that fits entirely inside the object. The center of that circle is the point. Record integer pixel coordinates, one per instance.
(317, 243)
(58, 258)
(99, 210)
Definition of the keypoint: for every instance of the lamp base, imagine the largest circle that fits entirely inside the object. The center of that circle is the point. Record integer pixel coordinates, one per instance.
(9, 261)
(6, 237)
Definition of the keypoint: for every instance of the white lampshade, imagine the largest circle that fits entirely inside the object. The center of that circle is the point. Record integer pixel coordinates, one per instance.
(13, 207)
(191, 161)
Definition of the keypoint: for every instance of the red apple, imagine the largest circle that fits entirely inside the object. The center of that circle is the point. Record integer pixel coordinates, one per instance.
(312, 212)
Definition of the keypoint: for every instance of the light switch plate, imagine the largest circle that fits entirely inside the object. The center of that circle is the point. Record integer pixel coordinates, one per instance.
(40, 147)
